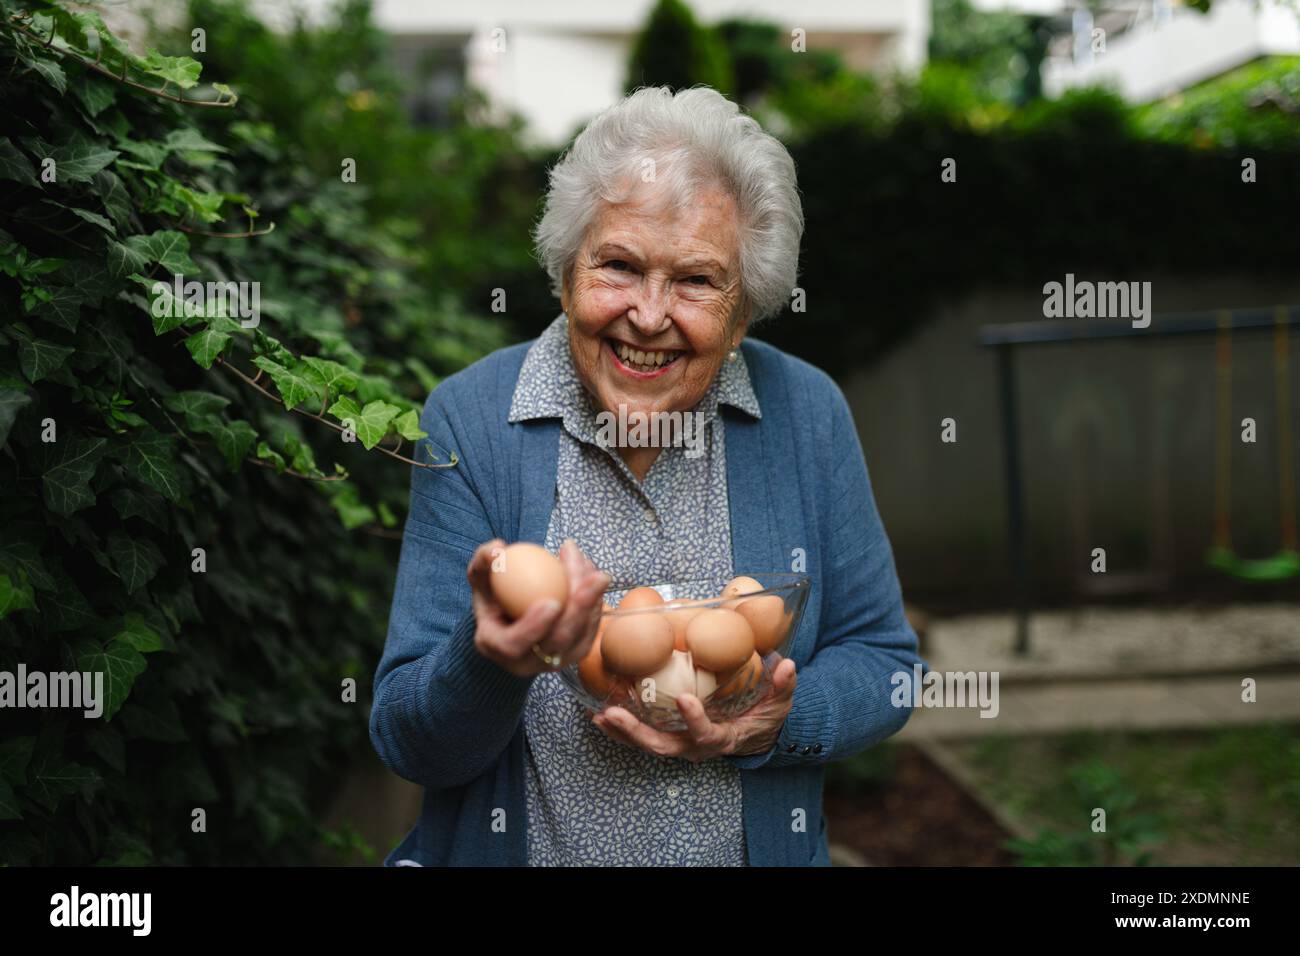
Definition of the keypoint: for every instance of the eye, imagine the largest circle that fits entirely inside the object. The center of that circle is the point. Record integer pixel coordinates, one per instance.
(618, 265)
(698, 280)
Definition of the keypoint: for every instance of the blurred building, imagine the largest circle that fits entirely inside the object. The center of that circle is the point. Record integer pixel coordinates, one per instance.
(559, 62)
(1149, 49)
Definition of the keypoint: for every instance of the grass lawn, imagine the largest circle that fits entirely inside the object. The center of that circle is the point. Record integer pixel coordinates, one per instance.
(1215, 798)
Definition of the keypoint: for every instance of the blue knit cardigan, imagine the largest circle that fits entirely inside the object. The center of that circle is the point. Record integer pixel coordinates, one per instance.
(449, 719)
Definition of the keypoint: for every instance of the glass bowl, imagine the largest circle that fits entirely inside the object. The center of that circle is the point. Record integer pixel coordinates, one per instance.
(771, 620)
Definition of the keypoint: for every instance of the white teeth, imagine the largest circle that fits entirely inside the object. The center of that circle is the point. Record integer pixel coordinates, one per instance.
(633, 356)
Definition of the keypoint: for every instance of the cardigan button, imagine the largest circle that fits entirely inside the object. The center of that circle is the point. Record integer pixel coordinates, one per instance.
(817, 749)
(807, 751)
(792, 748)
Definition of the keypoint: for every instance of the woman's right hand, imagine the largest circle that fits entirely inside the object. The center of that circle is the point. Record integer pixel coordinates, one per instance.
(566, 631)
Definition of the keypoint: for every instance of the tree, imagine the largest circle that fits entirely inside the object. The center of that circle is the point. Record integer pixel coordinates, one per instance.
(674, 50)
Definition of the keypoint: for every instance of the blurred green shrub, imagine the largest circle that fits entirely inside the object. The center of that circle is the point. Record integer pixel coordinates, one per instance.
(461, 197)
(1256, 105)
(1129, 839)
(675, 50)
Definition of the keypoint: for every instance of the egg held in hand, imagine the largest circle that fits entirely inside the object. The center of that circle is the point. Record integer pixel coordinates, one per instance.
(524, 573)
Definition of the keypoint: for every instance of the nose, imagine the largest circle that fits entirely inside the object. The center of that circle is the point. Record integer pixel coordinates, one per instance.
(649, 312)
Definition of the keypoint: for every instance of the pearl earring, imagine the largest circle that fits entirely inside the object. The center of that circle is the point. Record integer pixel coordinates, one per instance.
(733, 354)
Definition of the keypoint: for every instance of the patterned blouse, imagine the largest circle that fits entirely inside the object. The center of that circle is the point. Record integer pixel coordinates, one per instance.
(593, 801)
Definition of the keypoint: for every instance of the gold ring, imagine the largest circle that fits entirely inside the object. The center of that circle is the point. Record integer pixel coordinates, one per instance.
(550, 660)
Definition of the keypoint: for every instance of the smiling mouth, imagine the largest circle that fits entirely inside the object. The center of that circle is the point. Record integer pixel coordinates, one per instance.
(643, 361)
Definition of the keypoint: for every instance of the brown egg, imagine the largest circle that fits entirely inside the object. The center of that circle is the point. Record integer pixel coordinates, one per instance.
(682, 612)
(741, 585)
(524, 573)
(639, 598)
(719, 640)
(744, 679)
(600, 683)
(636, 644)
(767, 618)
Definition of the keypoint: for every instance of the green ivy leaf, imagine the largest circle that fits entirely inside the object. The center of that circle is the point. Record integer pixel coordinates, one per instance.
(408, 426)
(139, 635)
(171, 250)
(79, 160)
(266, 453)
(130, 503)
(96, 94)
(113, 195)
(331, 375)
(294, 387)
(198, 407)
(347, 502)
(151, 155)
(15, 165)
(135, 560)
(15, 595)
(182, 70)
(52, 73)
(346, 407)
(206, 345)
(65, 608)
(124, 258)
(12, 402)
(53, 778)
(120, 664)
(23, 556)
(234, 440)
(301, 458)
(94, 218)
(151, 457)
(189, 139)
(63, 308)
(69, 468)
(39, 357)
(372, 424)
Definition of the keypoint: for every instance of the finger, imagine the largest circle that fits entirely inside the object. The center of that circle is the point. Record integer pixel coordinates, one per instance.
(698, 725)
(612, 731)
(479, 571)
(784, 680)
(535, 627)
(646, 737)
(576, 628)
(571, 558)
(488, 614)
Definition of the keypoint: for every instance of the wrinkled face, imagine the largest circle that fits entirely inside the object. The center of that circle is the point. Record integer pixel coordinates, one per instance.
(654, 302)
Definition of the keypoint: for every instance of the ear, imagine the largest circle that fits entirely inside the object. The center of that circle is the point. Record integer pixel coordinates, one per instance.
(564, 290)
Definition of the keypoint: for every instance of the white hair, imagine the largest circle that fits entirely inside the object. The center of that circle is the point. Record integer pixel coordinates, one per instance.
(689, 140)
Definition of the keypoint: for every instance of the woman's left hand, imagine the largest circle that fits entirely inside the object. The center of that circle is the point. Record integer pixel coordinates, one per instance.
(753, 732)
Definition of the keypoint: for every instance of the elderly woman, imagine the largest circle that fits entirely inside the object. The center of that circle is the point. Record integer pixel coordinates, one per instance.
(671, 225)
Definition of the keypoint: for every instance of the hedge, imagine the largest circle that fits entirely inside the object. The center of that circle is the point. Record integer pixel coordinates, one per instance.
(181, 509)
